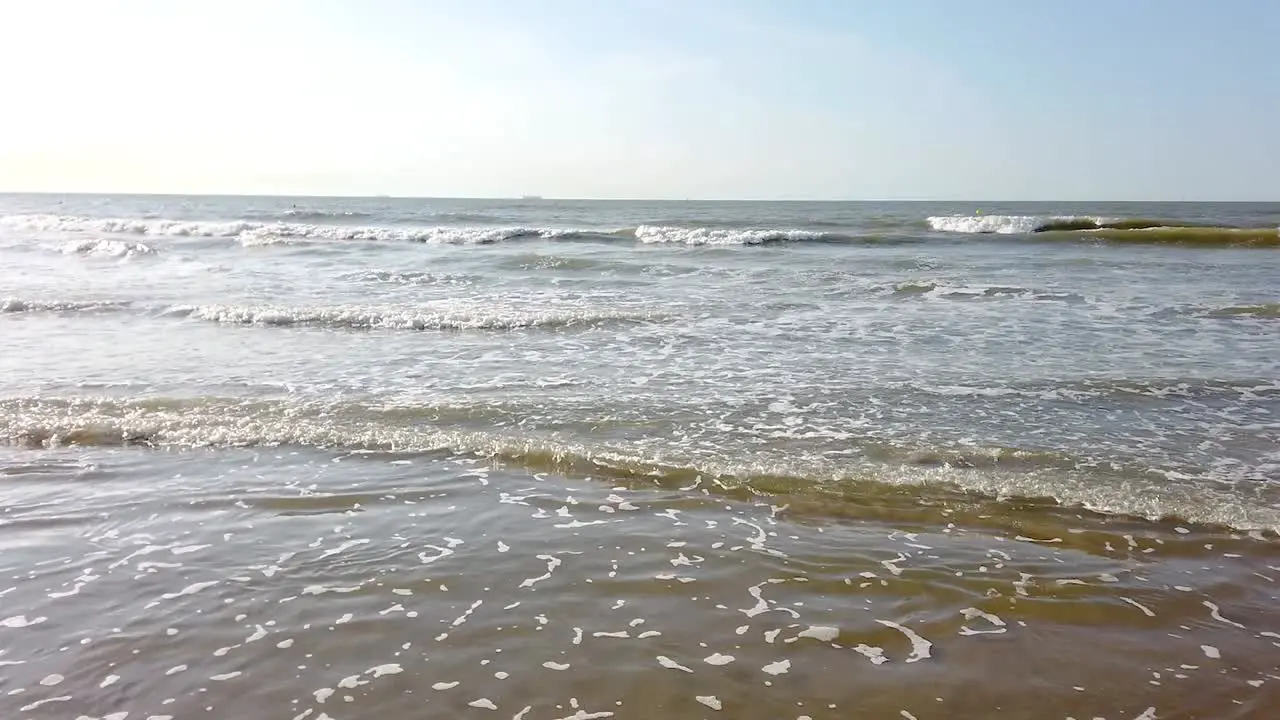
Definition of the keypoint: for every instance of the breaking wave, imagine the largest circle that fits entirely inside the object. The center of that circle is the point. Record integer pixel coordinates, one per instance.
(1265, 310)
(721, 236)
(125, 226)
(1019, 224)
(1122, 230)
(1000, 224)
(1194, 236)
(262, 233)
(911, 478)
(432, 315)
(107, 248)
(410, 277)
(289, 234)
(270, 233)
(481, 317)
(259, 234)
(918, 288)
(305, 214)
(16, 305)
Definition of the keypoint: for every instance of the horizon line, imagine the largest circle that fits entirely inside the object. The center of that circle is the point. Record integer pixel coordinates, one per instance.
(550, 199)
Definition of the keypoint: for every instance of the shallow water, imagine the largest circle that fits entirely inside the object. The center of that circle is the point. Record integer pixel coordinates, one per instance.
(384, 458)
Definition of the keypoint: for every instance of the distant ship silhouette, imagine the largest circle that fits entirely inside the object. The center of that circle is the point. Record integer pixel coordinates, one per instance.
(530, 197)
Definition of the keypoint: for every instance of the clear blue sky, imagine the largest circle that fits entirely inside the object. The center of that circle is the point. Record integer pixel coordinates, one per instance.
(1004, 99)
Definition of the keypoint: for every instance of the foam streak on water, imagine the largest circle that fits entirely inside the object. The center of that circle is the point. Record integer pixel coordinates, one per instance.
(378, 457)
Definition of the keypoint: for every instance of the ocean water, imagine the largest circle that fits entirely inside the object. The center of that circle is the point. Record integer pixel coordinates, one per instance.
(543, 459)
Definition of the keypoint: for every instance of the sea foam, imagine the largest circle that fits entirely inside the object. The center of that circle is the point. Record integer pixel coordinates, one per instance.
(291, 232)
(720, 236)
(18, 305)
(107, 248)
(252, 233)
(130, 226)
(447, 317)
(230, 422)
(1003, 224)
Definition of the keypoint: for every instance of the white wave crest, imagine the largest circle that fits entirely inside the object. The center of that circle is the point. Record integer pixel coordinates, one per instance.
(1000, 224)
(294, 233)
(317, 214)
(107, 248)
(124, 226)
(261, 234)
(253, 234)
(235, 422)
(719, 236)
(17, 305)
(409, 277)
(481, 317)
(941, 290)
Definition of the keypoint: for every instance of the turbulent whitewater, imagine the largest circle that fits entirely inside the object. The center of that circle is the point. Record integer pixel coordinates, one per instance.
(1122, 229)
(326, 457)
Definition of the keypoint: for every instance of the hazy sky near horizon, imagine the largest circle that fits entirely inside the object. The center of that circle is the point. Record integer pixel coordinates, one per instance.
(788, 99)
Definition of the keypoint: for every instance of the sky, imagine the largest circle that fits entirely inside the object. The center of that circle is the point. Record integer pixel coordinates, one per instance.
(706, 99)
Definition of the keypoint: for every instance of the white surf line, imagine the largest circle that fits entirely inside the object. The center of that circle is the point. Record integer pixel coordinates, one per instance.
(973, 613)
(553, 562)
(920, 648)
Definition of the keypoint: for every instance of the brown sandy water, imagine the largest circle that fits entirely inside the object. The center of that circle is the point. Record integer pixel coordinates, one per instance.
(280, 584)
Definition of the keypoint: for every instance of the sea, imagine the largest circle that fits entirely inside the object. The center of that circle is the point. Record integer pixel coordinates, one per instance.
(339, 458)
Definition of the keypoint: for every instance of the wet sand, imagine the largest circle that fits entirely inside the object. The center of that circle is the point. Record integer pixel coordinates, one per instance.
(280, 584)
